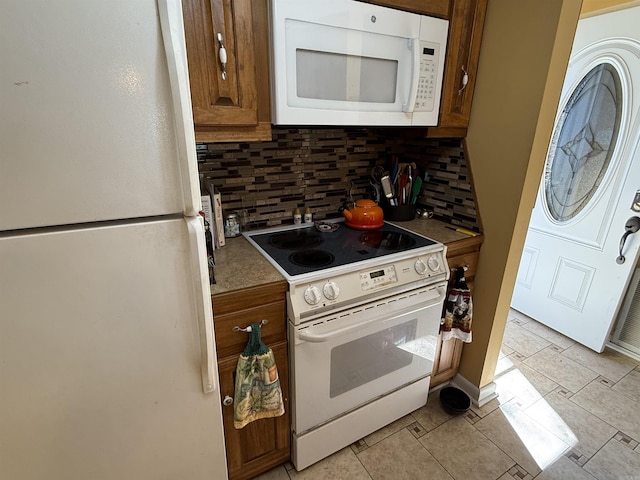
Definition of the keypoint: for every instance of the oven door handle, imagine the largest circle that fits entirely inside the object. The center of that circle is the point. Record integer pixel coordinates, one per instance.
(325, 337)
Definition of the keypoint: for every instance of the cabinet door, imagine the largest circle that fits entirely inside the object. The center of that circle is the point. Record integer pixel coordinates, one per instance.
(436, 8)
(225, 98)
(448, 353)
(463, 49)
(263, 444)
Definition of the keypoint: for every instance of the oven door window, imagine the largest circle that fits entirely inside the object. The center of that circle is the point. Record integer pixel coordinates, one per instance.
(365, 359)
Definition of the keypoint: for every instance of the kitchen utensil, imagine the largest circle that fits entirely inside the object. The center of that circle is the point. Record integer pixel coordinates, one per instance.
(409, 184)
(415, 191)
(463, 230)
(387, 188)
(377, 173)
(377, 191)
(423, 213)
(364, 215)
(394, 169)
(402, 195)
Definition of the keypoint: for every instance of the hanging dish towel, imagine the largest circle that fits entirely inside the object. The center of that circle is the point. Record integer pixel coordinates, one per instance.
(257, 389)
(458, 310)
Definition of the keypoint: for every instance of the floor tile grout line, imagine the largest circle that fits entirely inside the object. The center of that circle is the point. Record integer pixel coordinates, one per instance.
(597, 451)
(592, 413)
(363, 465)
(495, 445)
(431, 453)
(544, 427)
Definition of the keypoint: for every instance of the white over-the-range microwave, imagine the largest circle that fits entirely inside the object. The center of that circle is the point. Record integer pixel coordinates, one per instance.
(344, 62)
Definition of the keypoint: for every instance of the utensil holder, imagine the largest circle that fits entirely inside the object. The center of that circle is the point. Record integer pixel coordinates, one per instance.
(400, 213)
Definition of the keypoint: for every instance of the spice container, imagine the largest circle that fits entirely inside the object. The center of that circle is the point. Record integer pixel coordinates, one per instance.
(231, 225)
(297, 216)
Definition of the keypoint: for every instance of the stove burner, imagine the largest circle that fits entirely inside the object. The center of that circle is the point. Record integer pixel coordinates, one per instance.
(311, 258)
(295, 239)
(385, 240)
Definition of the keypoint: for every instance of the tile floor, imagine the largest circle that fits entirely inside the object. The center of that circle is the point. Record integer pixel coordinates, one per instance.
(563, 412)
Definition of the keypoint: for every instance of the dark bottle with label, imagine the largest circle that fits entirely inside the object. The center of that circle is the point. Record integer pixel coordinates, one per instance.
(209, 242)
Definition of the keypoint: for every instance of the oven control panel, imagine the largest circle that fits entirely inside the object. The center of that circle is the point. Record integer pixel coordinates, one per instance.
(378, 278)
(331, 291)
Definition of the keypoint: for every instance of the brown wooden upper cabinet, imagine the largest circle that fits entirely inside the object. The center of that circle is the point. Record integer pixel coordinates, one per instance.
(435, 8)
(230, 100)
(466, 20)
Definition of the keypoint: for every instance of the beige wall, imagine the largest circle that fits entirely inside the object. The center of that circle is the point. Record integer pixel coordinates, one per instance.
(525, 51)
(596, 7)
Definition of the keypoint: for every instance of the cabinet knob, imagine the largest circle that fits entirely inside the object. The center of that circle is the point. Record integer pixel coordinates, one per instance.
(227, 401)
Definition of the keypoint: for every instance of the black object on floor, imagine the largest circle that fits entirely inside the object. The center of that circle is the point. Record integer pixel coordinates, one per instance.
(454, 401)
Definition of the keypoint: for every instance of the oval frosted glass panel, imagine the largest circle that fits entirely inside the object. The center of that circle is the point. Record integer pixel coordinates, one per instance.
(583, 143)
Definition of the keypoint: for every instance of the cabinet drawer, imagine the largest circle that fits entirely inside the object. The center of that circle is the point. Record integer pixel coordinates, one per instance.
(229, 342)
(469, 259)
(239, 300)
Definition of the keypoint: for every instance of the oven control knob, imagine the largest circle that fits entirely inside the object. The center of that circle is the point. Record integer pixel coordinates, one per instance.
(312, 295)
(434, 263)
(420, 266)
(331, 290)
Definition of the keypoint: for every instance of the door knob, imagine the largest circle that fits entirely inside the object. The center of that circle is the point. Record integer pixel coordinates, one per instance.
(227, 400)
(631, 227)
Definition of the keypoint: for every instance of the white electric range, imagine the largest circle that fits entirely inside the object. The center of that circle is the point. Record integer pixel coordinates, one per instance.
(364, 311)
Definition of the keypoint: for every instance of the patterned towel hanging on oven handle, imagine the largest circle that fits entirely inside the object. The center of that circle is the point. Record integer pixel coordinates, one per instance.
(257, 386)
(458, 310)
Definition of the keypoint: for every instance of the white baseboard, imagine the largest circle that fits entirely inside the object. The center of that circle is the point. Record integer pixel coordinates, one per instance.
(478, 396)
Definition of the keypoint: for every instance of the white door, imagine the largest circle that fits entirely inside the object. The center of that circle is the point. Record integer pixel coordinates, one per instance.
(569, 276)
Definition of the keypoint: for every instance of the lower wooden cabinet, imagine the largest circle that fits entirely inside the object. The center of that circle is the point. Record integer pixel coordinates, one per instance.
(263, 444)
(463, 253)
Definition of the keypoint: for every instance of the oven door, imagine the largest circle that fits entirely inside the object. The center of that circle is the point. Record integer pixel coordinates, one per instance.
(343, 361)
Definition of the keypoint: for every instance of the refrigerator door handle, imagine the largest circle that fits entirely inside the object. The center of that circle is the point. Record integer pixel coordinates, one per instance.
(171, 23)
(204, 310)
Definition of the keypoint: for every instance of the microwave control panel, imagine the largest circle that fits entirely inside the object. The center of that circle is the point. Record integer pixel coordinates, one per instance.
(428, 76)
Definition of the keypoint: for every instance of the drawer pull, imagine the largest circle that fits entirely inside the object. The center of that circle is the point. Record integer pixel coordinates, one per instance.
(227, 401)
(263, 322)
(222, 55)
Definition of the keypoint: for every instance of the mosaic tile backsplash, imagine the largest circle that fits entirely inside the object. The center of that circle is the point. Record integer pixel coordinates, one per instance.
(323, 168)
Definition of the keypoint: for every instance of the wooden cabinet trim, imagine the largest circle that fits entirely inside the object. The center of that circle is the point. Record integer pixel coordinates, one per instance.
(237, 300)
(434, 8)
(236, 108)
(463, 52)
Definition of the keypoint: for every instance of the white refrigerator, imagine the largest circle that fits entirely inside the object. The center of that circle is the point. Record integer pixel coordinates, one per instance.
(107, 357)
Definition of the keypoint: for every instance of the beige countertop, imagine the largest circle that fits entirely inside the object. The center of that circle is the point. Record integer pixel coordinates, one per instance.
(240, 265)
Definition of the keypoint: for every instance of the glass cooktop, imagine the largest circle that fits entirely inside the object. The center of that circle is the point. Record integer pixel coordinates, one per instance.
(307, 249)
